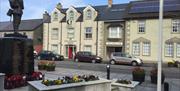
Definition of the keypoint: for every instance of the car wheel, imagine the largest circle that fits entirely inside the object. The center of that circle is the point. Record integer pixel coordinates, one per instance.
(134, 63)
(53, 58)
(39, 58)
(93, 61)
(76, 60)
(112, 62)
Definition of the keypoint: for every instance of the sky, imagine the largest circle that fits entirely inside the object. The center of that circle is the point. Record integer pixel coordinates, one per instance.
(35, 8)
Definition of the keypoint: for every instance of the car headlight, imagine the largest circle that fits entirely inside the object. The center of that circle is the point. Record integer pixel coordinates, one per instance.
(57, 56)
(98, 58)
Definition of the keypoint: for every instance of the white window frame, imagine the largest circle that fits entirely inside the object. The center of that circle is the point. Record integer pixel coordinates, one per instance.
(70, 33)
(54, 34)
(169, 49)
(54, 48)
(89, 14)
(141, 26)
(88, 48)
(146, 48)
(178, 49)
(88, 33)
(71, 15)
(136, 48)
(55, 16)
(116, 33)
(176, 25)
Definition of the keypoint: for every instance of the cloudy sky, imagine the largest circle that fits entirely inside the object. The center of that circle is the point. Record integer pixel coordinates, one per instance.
(35, 8)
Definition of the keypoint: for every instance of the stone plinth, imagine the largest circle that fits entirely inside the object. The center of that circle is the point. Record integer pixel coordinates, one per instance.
(124, 87)
(1, 82)
(99, 85)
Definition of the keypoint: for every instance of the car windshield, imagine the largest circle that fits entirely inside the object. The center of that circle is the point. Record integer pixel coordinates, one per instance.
(87, 53)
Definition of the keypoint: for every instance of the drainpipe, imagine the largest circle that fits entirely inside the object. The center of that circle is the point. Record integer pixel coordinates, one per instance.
(97, 36)
(80, 37)
(61, 40)
(48, 38)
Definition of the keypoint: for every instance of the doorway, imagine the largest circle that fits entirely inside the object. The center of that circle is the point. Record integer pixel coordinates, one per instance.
(70, 51)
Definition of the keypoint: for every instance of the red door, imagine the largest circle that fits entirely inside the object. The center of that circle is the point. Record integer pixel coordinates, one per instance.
(70, 54)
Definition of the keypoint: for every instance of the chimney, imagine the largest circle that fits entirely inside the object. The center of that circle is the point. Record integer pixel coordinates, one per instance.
(110, 2)
(46, 17)
(59, 6)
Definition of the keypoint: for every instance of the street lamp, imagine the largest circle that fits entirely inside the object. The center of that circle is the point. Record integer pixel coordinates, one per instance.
(160, 44)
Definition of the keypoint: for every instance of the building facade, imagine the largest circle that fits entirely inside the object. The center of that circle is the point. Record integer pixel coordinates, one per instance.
(130, 28)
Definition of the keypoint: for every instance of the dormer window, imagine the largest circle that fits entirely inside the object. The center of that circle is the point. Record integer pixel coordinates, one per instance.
(55, 16)
(89, 14)
(71, 15)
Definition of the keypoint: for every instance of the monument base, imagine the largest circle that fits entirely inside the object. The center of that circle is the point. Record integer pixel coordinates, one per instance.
(16, 54)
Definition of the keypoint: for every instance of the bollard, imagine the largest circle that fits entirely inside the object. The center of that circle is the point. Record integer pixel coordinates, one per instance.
(108, 71)
(166, 86)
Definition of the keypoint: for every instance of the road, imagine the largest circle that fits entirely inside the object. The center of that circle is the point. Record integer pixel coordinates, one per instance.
(124, 69)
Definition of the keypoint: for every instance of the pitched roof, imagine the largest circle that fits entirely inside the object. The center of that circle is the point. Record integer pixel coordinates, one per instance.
(26, 25)
(116, 12)
(150, 9)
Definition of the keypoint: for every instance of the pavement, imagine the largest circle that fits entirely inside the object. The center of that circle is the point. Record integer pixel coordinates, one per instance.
(174, 84)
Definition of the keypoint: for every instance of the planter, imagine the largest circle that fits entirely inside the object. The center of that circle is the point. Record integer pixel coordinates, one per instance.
(154, 79)
(124, 87)
(139, 78)
(170, 65)
(50, 68)
(98, 85)
(41, 67)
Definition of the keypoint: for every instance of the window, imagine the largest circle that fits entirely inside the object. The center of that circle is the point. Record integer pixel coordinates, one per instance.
(176, 26)
(136, 49)
(55, 16)
(87, 48)
(88, 33)
(54, 34)
(114, 32)
(146, 48)
(70, 33)
(141, 26)
(169, 49)
(89, 14)
(54, 48)
(71, 15)
(178, 49)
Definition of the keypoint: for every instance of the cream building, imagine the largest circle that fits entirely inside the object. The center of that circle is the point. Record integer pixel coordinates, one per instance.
(142, 31)
(84, 29)
(130, 28)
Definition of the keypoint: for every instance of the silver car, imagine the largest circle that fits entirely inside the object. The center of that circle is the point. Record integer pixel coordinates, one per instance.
(123, 58)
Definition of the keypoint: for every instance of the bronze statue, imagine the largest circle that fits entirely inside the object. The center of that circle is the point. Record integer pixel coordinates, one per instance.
(16, 10)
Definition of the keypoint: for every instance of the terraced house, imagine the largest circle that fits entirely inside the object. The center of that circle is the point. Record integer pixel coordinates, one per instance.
(131, 28)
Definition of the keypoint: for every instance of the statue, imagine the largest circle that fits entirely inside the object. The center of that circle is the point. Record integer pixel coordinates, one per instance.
(16, 10)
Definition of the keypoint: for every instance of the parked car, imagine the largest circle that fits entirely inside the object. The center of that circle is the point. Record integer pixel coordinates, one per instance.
(124, 58)
(48, 55)
(84, 56)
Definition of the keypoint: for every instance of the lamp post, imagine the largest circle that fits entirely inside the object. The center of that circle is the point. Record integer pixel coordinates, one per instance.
(160, 44)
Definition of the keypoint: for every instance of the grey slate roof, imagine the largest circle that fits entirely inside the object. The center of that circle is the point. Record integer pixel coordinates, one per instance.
(116, 12)
(26, 25)
(150, 9)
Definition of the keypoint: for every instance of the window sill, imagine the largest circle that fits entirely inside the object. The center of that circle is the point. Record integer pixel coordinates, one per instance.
(88, 39)
(141, 32)
(175, 32)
